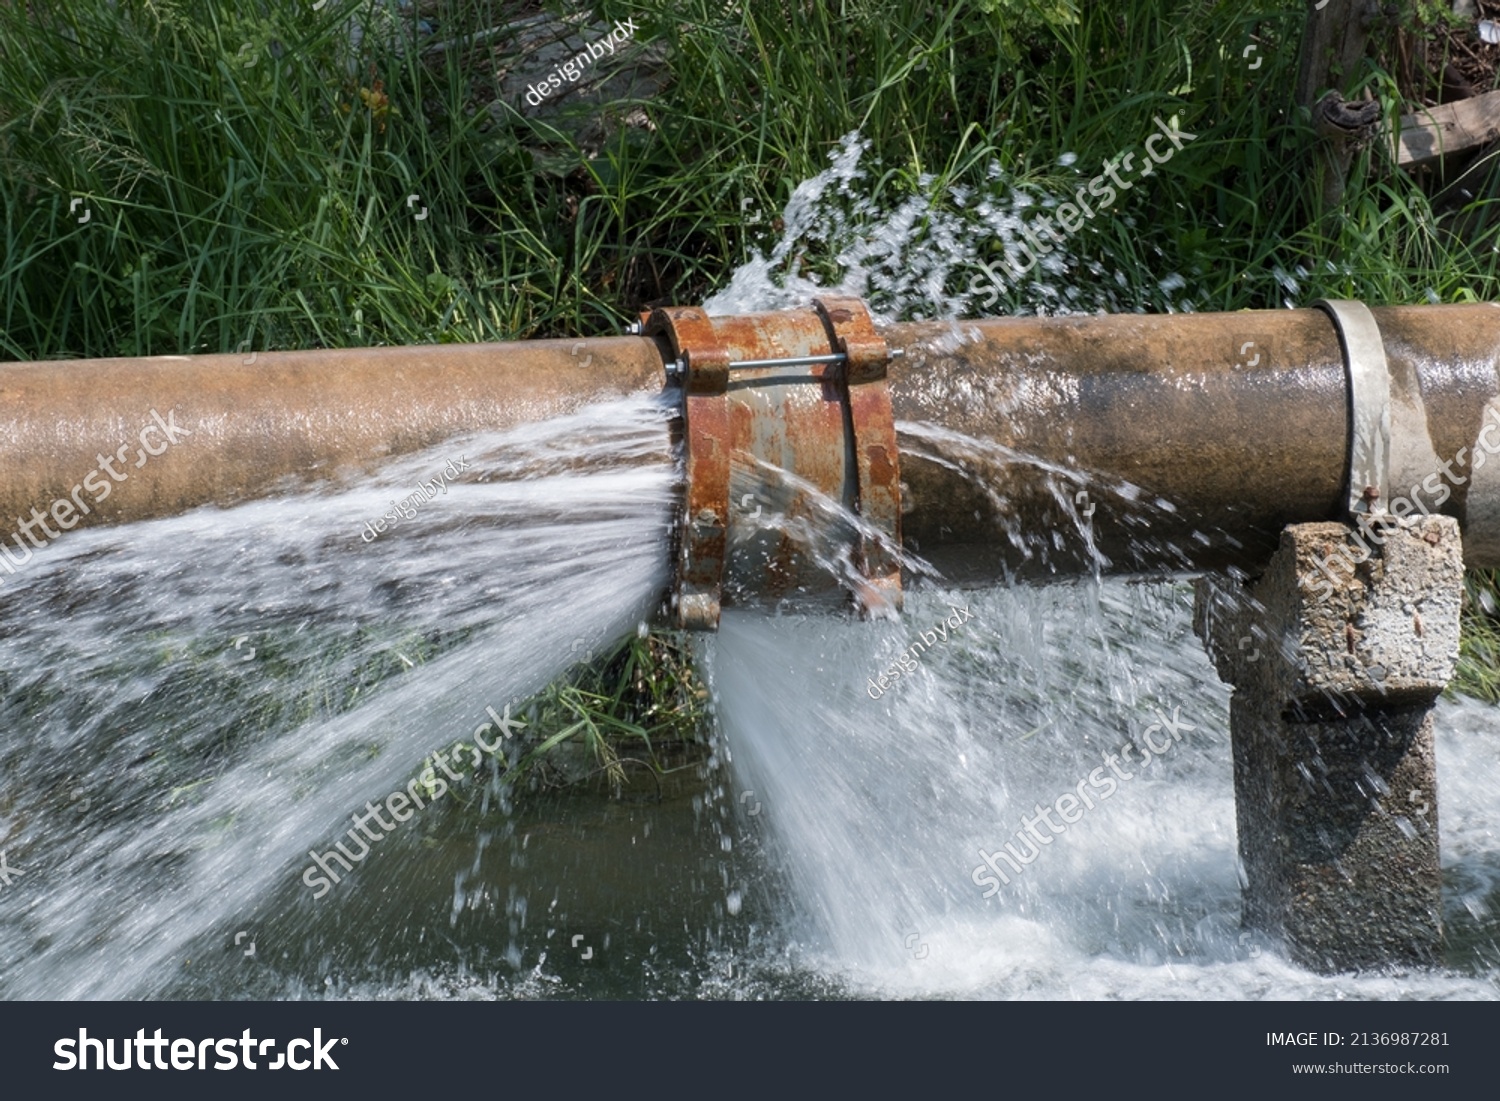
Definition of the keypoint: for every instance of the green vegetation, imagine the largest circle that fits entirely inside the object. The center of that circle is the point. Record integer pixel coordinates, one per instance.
(246, 172)
(640, 705)
(1479, 646)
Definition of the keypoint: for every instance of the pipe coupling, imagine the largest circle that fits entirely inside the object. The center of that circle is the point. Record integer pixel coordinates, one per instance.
(793, 482)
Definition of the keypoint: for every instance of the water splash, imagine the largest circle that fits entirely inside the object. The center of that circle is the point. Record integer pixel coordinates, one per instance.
(146, 818)
(877, 812)
(937, 252)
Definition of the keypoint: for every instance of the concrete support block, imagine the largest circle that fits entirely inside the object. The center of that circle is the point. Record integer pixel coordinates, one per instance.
(1337, 654)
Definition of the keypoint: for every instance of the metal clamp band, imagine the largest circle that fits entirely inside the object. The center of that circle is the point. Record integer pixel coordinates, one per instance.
(705, 525)
(1369, 404)
(793, 406)
(878, 497)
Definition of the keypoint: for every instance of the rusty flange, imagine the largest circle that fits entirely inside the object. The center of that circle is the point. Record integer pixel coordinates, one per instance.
(785, 414)
(875, 454)
(705, 521)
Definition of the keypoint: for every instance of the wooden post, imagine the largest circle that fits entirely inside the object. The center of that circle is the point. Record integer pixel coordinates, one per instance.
(1333, 45)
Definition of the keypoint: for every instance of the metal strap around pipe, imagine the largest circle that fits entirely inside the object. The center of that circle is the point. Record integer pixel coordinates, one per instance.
(831, 427)
(1369, 404)
(877, 458)
(705, 520)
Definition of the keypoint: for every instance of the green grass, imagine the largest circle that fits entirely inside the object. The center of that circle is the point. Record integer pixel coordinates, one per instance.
(639, 708)
(244, 185)
(247, 178)
(234, 195)
(1478, 671)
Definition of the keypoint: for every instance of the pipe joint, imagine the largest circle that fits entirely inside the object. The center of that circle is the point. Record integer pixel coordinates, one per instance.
(787, 434)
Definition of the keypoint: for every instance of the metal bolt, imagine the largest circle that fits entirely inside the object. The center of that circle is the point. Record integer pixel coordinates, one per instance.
(633, 329)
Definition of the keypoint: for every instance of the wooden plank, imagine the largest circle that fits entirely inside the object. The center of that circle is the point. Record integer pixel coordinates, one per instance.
(1436, 131)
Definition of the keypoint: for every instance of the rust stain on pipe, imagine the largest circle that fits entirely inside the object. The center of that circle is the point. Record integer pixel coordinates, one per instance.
(775, 422)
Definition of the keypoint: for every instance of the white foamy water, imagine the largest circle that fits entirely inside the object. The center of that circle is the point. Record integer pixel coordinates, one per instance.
(876, 811)
(143, 820)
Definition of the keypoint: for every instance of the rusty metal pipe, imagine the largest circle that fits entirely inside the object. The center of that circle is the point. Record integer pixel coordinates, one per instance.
(286, 415)
(1028, 447)
(1188, 457)
(1202, 435)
